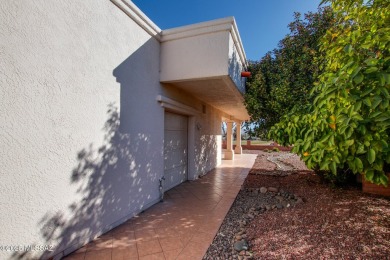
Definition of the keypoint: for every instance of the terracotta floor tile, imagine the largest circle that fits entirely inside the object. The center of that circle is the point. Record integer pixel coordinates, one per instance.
(165, 232)
(172, 254)
(210, 228)
(123, 242)
(76, 256)
(157, 222)
(165, 224)
(201, 237)
(182, 226)
(171, 243)
(148, 247)
(126, 235)
(145, 234)
(119, 229)
(175, 195)
(100, 244)
(172, 191)
(158, 256)
(122, 253)
(187, 257)
(99, 254)
(194, 250)
(185, 238)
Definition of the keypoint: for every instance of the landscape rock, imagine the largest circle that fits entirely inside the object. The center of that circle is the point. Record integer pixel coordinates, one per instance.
(249, 203)
(240, 245)
(272, 189)
(279, 198)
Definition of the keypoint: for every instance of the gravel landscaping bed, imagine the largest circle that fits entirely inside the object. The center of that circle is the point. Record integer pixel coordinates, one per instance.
(283, 211)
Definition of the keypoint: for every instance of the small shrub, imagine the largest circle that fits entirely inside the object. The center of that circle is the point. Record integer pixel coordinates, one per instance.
(344, 178)
(266, 150)
(275, 149)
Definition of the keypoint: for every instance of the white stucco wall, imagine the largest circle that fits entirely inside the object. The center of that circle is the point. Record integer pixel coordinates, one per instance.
(81, 131)
(199, 56)
(70, 168)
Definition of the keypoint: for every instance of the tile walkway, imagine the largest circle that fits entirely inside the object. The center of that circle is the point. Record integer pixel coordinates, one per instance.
(181, 227)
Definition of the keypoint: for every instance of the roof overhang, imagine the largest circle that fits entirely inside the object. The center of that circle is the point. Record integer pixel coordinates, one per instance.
(220, 92)
(206, 60)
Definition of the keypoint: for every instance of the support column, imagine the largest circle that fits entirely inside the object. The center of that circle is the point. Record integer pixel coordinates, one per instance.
(229, 154)
(238, 149)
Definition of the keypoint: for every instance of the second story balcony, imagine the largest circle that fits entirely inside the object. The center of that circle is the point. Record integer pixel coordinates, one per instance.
(206, 60)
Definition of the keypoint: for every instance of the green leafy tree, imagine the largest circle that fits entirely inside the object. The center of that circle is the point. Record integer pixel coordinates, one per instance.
(347, 127)
(283, 78)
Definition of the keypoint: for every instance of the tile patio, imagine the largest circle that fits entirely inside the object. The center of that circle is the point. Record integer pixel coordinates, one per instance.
(181, 227)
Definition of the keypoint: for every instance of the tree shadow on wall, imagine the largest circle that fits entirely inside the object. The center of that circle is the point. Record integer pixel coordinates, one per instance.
(119, 178)
(206, 153)
(235, 72)
(105, 177)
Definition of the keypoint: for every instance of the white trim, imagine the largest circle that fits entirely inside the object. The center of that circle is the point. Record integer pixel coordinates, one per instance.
(238, 43)
(197, 29)
(176, 106)
(139, 17)
(194, 32)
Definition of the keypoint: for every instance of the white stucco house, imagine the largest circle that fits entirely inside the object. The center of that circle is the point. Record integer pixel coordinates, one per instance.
(97, 105)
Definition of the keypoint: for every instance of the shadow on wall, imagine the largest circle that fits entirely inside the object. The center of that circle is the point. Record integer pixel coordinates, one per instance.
(114, 181)
(206, 154)
(235, 69)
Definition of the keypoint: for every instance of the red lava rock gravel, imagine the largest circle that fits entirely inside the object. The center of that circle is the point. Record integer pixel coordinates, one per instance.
(269, 216)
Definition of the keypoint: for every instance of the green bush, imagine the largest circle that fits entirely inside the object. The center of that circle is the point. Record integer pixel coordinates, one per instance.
(347, 127)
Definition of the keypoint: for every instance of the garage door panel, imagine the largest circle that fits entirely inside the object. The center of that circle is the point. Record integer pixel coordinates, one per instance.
(175, 176)
(175, 122)
(175, 149)
(175, 139)
(175, 159)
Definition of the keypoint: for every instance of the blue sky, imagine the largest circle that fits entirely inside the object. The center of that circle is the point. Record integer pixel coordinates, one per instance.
(261, 23)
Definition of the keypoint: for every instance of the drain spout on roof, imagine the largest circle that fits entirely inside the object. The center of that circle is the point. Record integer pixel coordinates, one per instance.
(245, 74)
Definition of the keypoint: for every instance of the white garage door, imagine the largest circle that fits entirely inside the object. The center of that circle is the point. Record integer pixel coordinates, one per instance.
(175, 149)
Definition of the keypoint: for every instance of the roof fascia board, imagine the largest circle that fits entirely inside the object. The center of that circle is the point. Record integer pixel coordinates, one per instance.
(197, 26)
(175, 35)
(139, 17)
(238, 43)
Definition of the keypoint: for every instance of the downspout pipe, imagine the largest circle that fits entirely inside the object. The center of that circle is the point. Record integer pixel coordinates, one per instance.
(161, 187)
